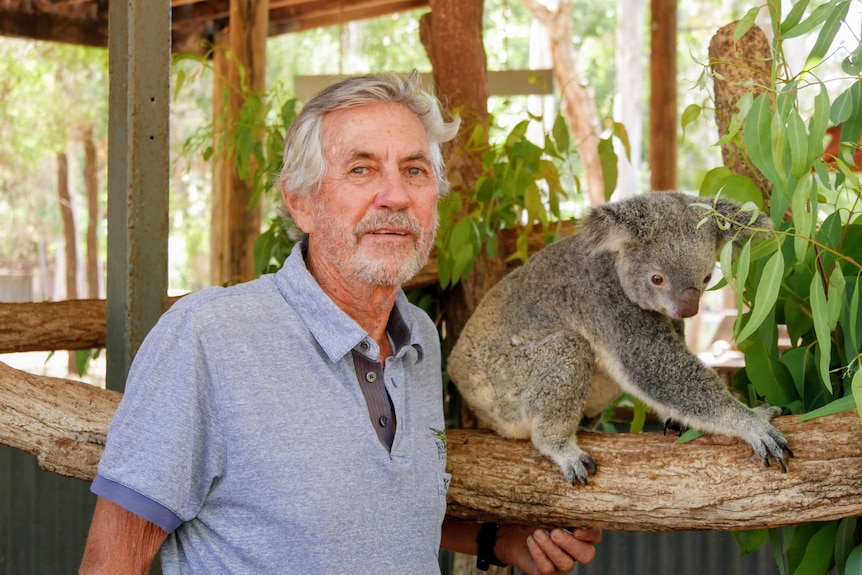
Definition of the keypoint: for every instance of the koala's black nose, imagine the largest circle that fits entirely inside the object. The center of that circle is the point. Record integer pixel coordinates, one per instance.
(687, 302)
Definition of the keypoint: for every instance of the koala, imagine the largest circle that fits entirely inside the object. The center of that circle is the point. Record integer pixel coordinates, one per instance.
(600, 313)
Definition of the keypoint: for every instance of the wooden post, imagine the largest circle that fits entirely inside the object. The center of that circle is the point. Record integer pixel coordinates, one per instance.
(138, 167)
(249, 21)
(663, 116)
(219, 272)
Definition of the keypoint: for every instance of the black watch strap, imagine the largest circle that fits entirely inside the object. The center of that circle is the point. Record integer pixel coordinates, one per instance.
(486, 540)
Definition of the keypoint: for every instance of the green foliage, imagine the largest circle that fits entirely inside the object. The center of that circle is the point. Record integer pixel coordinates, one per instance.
(523, 185)
(255, 141)
(806, 276)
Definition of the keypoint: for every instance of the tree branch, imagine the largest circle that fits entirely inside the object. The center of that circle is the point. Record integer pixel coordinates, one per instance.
(645, 482)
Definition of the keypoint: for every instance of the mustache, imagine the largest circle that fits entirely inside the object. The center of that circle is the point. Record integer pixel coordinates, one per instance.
(377, 220)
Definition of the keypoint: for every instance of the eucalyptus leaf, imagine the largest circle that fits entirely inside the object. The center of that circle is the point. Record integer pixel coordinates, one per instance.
(845, 541)
(816, 18)
(826, 36)
(818, 556)
(797, 139)
(794, 17)
(820, 314)
(854, 562)
(766, 295)
(856, 387)
(837, 406)
(758, 136)
(745, 23)
(609, 161)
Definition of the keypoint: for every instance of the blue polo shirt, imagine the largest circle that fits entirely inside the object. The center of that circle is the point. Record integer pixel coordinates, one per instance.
(244, 432)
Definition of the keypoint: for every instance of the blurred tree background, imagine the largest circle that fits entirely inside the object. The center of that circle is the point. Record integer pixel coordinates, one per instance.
(51, 95)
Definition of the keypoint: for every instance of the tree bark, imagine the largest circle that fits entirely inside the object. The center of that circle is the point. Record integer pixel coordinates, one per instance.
(738, 69)
(579, 105)
(645, 482)
(92, 184)
(452, 36)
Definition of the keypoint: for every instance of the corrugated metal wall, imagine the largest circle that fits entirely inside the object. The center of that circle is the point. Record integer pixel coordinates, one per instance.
(678, 553)
(44, 517)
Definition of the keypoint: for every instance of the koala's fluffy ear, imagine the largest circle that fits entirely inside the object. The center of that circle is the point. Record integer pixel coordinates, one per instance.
(610, 226)
(731, 223)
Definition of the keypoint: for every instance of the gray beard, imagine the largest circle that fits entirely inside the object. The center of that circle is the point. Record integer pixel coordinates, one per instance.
(373, 271)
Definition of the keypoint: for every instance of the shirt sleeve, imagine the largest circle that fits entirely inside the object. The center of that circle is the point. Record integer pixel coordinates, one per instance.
(164, 448)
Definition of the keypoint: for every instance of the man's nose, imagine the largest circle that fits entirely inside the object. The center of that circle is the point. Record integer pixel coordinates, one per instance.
(393, 193)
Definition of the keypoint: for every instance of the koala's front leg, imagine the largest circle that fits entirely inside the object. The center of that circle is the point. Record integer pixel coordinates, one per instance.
(666, 376)
(562, 375)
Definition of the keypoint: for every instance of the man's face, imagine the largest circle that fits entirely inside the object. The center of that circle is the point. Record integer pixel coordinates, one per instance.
(375, 215)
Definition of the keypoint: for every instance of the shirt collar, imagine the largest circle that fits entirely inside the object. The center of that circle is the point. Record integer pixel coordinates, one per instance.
(335, 331)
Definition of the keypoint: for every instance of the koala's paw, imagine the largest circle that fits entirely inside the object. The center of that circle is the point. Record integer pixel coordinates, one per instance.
(579, 467)
(772, 445)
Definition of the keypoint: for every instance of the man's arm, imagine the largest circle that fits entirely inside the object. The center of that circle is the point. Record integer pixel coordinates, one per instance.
(532, 550)
(120, 541)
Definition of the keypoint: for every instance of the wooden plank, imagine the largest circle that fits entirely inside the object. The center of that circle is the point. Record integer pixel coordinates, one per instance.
(500, 83)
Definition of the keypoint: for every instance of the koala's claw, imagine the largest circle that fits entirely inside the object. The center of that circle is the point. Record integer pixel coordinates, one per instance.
(674, 426)
(773, 445)
(581, 469)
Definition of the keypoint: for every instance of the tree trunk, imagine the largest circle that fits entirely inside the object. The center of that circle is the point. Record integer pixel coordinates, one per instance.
(663, 113)
(92, 185)
(452, 36)
(71, 250)
(646, 482)
(219, 269)
(247, 32)
(738, 69)
(579, 105)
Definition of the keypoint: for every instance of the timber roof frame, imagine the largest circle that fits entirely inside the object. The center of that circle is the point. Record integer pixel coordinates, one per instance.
(193, 22)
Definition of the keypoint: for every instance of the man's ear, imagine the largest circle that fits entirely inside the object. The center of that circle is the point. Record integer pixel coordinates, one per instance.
(301, 208)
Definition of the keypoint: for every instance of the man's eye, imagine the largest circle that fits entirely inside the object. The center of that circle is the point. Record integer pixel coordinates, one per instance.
(358, 170)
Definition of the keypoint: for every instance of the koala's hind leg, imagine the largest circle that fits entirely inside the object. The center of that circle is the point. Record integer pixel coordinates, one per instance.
(562, 372)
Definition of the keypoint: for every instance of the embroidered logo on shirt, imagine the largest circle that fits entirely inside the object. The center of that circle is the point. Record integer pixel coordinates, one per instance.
(440, 439)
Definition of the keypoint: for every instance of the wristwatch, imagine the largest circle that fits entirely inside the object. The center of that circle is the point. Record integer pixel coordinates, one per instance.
(486, 540)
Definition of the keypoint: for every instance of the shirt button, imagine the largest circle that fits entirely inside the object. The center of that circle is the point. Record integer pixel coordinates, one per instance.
(371, 377)
(383, 421)
(364, 346)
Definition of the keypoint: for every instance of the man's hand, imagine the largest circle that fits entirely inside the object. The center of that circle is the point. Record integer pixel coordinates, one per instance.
(541, 552)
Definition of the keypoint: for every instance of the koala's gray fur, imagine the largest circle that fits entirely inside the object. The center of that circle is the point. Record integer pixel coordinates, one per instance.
(600, 313)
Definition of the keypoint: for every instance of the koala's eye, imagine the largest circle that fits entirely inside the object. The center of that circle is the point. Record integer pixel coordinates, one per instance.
(707, 278)
(657, 280)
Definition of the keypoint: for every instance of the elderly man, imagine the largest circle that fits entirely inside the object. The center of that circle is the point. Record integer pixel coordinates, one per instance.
(293, 424)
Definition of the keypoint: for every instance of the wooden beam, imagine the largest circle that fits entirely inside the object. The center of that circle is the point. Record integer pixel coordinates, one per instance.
(54, 28)
(500, 83)
(663, 85)
(645, 482)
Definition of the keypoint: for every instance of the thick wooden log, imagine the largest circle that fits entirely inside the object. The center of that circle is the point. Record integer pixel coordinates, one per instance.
(60, 325)
(62, 422)
(649, 482)
(645, 482)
